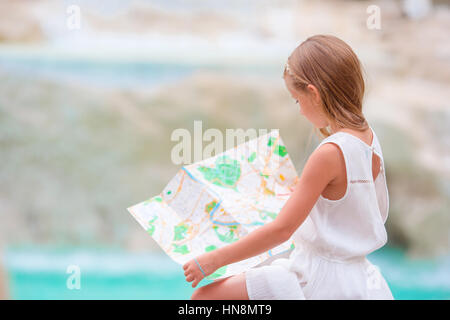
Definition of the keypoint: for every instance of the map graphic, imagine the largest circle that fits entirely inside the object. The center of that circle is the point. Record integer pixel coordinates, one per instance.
(217, 201)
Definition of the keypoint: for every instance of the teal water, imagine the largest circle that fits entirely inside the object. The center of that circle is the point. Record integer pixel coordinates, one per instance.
(114, 274)
(104, 274)
(117, 73)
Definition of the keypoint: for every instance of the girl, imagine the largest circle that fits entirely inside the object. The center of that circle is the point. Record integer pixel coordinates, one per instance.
(337, 211)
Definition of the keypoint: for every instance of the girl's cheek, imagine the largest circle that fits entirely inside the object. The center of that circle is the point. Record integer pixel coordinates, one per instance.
(300, 108)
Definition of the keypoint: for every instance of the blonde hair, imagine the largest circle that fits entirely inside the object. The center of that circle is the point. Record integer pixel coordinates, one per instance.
(330, 65)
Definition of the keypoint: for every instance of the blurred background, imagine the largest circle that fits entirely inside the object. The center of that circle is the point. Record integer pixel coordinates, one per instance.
(92, 90)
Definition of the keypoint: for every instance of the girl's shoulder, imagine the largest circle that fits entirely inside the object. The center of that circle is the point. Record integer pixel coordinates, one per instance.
(328, 159)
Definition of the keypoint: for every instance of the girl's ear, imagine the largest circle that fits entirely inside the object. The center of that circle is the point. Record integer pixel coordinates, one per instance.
(312, 90)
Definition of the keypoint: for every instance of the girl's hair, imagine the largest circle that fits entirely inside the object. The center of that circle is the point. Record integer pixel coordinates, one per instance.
(330, 65)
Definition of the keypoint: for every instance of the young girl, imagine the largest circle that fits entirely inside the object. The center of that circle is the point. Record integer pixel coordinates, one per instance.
(336, 213)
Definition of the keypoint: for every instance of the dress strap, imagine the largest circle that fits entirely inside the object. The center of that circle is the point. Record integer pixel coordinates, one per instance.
(376, 146)
(357, 155)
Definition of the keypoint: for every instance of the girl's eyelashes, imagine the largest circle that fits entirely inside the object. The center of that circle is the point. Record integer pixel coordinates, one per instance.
(296, 101)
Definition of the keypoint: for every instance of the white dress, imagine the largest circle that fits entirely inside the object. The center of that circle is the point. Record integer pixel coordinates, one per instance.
(329, 260)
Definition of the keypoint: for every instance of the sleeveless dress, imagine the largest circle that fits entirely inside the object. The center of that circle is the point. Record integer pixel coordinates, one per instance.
(329, 259)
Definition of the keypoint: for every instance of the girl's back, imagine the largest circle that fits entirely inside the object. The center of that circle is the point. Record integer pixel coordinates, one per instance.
(353, 225)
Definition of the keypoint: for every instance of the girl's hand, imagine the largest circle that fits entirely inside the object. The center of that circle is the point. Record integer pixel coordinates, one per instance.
(207, 261)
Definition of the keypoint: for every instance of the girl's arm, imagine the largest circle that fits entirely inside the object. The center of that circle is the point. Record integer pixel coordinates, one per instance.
(321, 168)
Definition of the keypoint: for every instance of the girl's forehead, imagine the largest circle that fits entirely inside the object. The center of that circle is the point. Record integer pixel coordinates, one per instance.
(289, 85)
